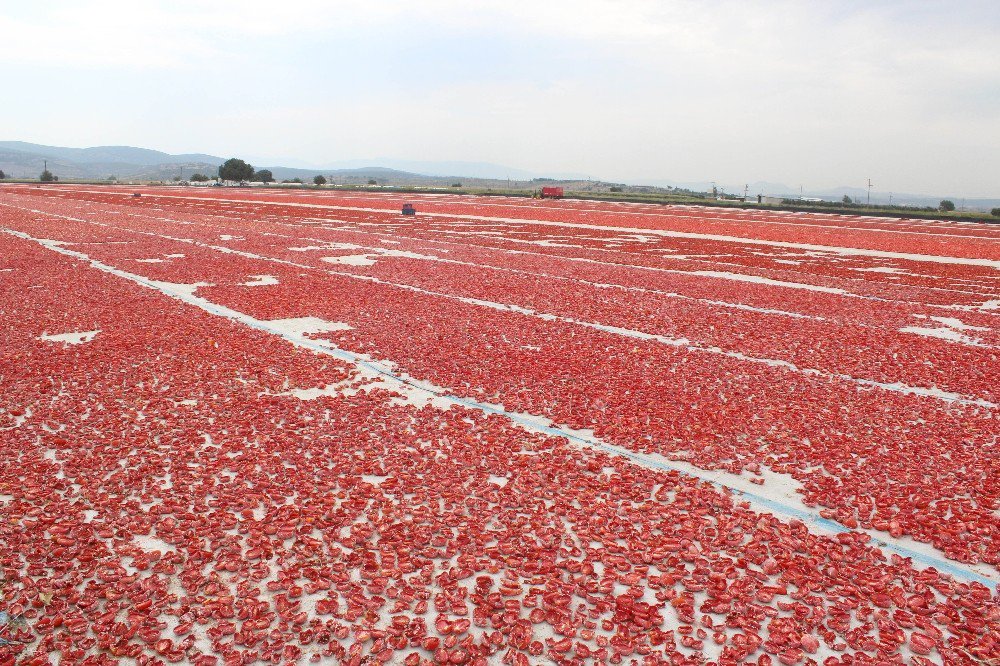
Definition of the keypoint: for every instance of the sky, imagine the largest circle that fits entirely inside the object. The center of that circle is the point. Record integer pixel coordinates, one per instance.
(818, 93)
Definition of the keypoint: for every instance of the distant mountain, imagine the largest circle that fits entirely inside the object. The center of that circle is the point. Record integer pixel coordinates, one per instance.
(453, 169)
(24, 159)
(354, 176)
(20, 159)
(836, 194)
(108, 154)
(861, 195)
(755, 188)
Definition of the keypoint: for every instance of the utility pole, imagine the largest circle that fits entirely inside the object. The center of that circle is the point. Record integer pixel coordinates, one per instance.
(869, 192)
(890, 198)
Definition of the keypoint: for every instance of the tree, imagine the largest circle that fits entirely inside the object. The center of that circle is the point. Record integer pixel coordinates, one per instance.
(263, 176)
(946, 206)
(456, 184)
(2, 174)
(235, 169)
(995, 212)
(847, 200)
(177, 179)
(320, 180)
(200, 178)
(372, 181)
(47, 177)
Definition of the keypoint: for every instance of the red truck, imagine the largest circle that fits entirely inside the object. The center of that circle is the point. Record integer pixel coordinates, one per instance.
(552, 193)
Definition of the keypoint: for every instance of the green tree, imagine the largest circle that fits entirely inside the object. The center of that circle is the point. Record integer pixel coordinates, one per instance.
(2, 174)
(320, 180)
(200, 178)
(456, 184)
(235, 169)
(372, 181)
(263, 176)
(946, 206)
(847, 200)
(47, 177)
(995, 212)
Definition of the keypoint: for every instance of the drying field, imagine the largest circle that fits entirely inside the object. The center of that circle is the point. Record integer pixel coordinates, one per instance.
(247, 426)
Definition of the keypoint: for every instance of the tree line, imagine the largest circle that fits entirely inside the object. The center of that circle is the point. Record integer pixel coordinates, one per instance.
(237, 170)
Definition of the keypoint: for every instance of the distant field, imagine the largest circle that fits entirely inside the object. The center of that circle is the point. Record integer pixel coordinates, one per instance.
(294, 426)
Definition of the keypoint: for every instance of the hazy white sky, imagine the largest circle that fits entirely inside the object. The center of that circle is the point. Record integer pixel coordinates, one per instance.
(819, 93)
